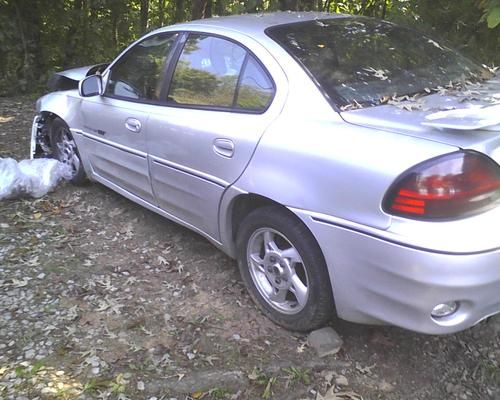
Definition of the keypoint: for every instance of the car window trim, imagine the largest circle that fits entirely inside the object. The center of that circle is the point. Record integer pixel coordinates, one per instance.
(231, 108)
(168, 60)
(240, 76)
(169, 71)
(170, 64)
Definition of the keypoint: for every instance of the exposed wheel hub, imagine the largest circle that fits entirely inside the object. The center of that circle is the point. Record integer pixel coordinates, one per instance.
(277, 270)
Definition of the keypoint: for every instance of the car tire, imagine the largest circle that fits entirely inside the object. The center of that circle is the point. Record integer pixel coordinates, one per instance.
(64, 149)
(284, 269)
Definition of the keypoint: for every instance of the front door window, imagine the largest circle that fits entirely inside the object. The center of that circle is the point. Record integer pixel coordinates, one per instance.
(139, 74)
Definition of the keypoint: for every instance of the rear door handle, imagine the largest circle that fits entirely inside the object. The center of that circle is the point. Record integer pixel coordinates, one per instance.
(133, 125)
(224, 147)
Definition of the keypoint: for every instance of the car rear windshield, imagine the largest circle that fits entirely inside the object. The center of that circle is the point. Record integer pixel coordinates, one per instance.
(363, 61)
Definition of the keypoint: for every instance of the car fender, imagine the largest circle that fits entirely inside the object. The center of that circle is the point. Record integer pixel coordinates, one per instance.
(65, 105)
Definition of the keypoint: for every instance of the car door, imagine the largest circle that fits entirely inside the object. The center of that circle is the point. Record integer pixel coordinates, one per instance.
(115, 124)
(220, 101)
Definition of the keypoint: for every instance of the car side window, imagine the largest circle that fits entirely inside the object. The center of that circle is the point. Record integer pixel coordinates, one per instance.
(256, 89)
(139, 74)
(207, 72)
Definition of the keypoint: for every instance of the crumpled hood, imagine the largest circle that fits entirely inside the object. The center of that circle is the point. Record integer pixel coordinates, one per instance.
(77, 74)
(466, 119)
(69, 78)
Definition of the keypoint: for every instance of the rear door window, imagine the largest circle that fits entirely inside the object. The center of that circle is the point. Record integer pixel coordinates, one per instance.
(213, 72)
(207, 72)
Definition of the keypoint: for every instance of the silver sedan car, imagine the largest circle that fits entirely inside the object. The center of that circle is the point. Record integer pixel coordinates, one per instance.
(350, 165)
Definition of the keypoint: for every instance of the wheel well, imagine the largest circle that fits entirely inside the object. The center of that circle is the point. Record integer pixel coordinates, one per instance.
(42, 139)
(245, 204)
(49, 116)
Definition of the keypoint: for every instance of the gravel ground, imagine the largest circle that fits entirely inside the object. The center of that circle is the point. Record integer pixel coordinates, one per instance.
(100, 298)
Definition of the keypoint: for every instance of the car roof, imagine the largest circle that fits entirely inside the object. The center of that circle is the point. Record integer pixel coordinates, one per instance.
(252, 24)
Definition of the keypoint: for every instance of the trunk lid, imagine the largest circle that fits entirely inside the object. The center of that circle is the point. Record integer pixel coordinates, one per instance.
(468, 119)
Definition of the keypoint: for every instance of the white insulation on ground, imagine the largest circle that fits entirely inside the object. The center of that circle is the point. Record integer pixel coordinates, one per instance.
(34, 178)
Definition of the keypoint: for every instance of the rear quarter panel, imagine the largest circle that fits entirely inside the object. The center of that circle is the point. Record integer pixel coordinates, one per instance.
(322, 164)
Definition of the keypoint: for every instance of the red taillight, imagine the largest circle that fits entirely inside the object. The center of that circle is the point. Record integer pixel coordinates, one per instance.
(451, 186)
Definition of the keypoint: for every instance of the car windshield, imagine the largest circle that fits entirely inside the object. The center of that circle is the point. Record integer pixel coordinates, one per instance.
(363, 61)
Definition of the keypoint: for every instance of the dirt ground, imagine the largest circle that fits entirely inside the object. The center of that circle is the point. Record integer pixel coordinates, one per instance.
(100, 298)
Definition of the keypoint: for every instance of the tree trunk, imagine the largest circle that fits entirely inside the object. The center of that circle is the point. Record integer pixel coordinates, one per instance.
(254, 6)
(179, 11)
(28, 18)
(161, 12)
(363, 7)
(114, 30)
(144, 16)
(22, 37)
(285, 5)
(306, 5)
(384, 9)
(220, 8)
(201, 9)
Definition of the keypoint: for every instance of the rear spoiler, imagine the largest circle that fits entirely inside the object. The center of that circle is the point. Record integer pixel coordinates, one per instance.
(467, 119)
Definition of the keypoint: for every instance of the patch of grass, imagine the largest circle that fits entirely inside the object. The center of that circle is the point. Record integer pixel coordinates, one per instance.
(38, 366)
(29, 372)
(63, 349)
(491, 370)
(258, 376)
(218, 393)
(298, 375)
(94, 385)
(268, 391)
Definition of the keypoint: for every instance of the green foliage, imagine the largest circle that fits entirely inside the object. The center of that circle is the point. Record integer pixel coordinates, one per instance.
(460, 22)
(38, 37)
(492, 12)
(494, 17)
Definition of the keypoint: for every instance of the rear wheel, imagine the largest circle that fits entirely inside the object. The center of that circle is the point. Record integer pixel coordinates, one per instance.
(64, 149)
(284, 269)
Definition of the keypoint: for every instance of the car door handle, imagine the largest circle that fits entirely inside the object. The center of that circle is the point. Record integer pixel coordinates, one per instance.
(133, 125)
(224, 147)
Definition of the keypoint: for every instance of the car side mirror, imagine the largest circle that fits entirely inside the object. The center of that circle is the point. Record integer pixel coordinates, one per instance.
(91, 86)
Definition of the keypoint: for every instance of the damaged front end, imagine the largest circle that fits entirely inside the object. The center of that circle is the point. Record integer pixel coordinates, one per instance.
(68, 79)
(40, 137)
(56, 105)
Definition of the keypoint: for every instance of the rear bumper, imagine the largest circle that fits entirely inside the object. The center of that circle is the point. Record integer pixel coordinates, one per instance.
(375, 280)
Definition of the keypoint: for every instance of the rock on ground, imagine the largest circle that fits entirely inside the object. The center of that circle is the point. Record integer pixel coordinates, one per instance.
(325, 341)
